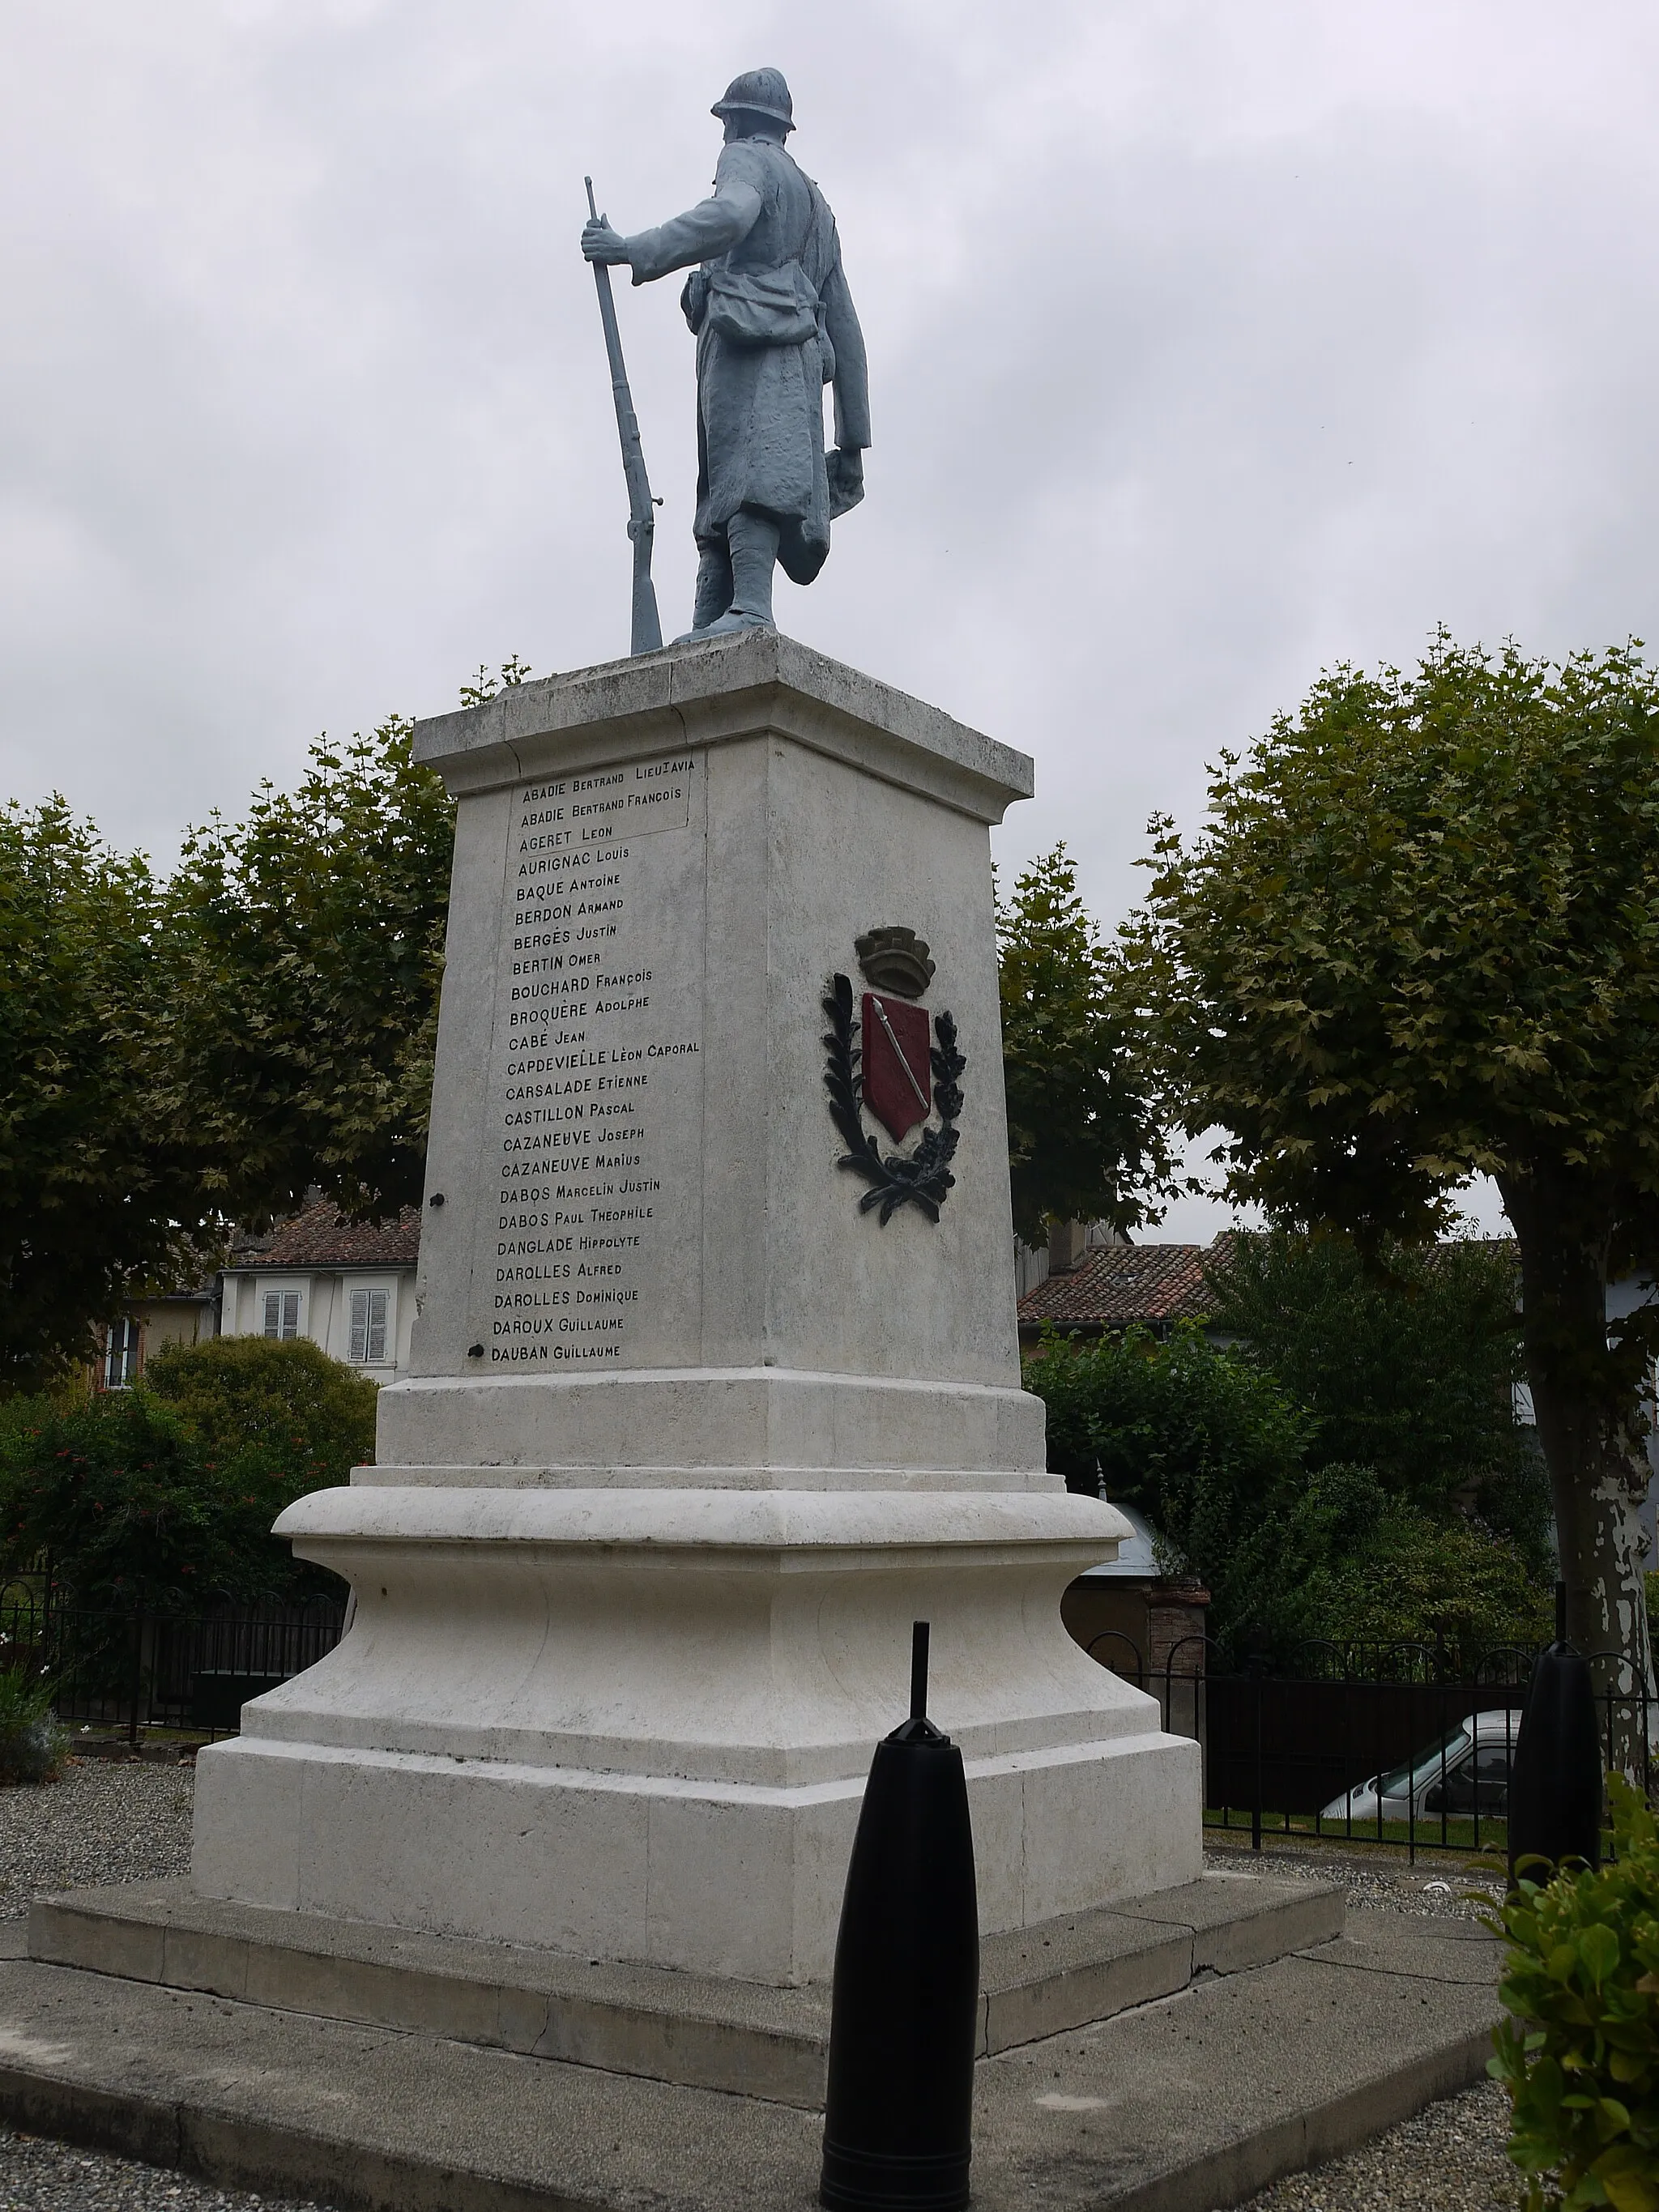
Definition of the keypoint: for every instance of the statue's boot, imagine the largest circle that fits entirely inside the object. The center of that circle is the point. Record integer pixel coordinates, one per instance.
(714, 585)
(752, 550)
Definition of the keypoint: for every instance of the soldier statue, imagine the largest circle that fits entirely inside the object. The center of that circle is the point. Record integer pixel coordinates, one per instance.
(774, 323)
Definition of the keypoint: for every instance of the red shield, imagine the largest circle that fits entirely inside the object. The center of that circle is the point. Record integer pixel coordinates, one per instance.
(897, 1068)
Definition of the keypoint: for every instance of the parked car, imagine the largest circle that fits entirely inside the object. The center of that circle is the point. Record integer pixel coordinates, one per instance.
(1467, 1770)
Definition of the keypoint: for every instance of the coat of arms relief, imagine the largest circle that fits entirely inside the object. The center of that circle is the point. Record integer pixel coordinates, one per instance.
(888, 1059)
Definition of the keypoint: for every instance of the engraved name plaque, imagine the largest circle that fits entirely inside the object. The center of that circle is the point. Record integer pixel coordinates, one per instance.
(593, 1104)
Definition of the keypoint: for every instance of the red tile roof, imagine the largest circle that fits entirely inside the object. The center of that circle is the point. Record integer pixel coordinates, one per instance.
(319, 1235)
(1120, 1284)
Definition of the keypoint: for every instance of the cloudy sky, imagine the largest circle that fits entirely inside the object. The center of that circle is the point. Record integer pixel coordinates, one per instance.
(1210, 340)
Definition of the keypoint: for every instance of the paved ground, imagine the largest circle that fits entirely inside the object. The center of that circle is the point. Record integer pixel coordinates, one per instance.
(112, 1823)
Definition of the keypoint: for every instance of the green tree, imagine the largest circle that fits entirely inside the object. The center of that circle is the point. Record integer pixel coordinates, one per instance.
(303, 950)
(1215, 1451)
(96, 1192)
(1209, 1446)
(1419, 940)
(1083, 1144)
(1407, 1366)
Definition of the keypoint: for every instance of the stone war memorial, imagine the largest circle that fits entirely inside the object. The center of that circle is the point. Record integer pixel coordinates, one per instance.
(715, 1385)
(528, 1893)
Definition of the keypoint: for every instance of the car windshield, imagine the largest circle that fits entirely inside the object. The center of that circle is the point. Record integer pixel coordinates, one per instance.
(1399, 1781)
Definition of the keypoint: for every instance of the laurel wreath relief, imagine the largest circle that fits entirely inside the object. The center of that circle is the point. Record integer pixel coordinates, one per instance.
(923, 1178)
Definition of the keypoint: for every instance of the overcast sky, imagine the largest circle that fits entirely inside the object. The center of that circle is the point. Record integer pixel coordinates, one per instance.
(1211, 342)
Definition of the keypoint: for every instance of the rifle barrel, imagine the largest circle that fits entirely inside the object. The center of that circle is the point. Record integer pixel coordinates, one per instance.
(646, 626)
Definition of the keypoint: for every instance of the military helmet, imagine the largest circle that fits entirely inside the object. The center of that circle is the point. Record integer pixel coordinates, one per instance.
(757, 91)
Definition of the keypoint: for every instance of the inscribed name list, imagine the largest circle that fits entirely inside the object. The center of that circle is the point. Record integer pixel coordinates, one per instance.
(591, 1225)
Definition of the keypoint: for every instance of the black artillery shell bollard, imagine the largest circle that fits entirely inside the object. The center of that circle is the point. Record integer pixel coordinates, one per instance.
(1555, 1780)
(898, 2118)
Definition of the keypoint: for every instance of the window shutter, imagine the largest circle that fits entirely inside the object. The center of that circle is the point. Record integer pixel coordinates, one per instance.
(369, 1318)
(120, 1352)
(273, 1313)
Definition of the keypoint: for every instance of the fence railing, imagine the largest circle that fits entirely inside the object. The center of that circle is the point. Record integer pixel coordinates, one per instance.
(133, 1671)
(1374, 1744)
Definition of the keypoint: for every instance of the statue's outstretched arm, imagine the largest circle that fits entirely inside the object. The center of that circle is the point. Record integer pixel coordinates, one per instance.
(714, 226)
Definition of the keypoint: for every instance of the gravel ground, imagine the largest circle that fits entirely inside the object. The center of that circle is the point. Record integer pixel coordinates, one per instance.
(1449, 2159)
(1435, 1889)
(106, 1820)
(116, 1822)
(37, 2175)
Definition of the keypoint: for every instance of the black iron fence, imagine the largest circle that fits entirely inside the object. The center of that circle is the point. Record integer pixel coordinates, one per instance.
(129, 1672)
(1393, 1744)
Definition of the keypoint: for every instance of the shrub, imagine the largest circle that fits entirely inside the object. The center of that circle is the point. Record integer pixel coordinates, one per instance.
(285, 1408)
(32, 1745)
(1580, 2058)
(1149, 1413)
(129, 1508)
(1411, 1579)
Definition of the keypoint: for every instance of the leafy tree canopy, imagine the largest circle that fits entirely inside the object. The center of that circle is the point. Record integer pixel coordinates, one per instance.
(175, 1056)
(1214, 1451)
(1408, 1367)
(95, 1189)
(1406, 1578)
(1083, 1144)
(1419, 940)
(1208, 1445)
(303, 949)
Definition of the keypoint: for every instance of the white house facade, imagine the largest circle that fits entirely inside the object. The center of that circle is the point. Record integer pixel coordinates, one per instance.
(349, 1286)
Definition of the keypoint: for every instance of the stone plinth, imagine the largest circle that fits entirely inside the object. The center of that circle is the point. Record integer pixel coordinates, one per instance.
(690, 1439)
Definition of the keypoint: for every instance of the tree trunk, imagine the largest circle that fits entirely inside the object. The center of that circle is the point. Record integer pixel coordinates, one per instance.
(1591, 1400)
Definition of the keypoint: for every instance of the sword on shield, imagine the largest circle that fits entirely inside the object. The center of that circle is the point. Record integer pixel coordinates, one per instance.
(898, 1050)
(641, 516)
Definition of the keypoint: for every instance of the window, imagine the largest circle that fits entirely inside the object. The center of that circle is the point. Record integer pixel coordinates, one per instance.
(281, 1313)
(1483, 1785)
(368, 1311)
(120, 1352)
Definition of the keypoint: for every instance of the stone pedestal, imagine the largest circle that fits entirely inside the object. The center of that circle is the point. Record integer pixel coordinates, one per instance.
(690, 1439)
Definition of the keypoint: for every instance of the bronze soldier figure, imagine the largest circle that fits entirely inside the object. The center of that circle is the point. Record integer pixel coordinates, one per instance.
(774, 323)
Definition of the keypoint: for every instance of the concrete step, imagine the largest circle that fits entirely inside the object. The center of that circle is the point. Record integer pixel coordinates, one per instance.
(1189, 2102)
(666, 2026)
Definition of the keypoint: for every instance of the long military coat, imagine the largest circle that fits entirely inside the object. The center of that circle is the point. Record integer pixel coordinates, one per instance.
(774, 323)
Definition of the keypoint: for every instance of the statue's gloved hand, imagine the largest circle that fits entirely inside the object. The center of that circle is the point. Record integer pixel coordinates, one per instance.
(845, 468)
(601, 243)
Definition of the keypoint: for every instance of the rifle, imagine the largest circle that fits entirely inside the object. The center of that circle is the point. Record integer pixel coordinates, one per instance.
(641, 516)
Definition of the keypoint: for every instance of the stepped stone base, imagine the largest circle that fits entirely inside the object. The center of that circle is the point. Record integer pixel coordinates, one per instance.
(709, 2032)
(1196, 2101)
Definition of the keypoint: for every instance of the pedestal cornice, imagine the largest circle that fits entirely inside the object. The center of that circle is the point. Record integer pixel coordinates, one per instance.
(708, 695)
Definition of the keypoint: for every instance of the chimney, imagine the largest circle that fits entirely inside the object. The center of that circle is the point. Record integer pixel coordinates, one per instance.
(1068, 1245)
